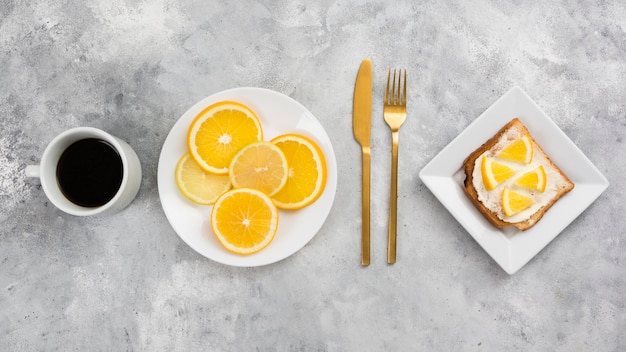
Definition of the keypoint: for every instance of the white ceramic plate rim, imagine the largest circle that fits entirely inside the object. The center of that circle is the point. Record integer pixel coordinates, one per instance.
(509, 247)
(278, 114)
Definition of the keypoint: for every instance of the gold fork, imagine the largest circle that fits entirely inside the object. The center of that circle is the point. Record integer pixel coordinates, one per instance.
(394, 112)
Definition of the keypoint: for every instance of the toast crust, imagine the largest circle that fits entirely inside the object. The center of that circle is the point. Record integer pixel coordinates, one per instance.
(565, 186)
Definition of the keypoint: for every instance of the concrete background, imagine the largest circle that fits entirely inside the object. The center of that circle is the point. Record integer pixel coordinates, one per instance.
(127, 282)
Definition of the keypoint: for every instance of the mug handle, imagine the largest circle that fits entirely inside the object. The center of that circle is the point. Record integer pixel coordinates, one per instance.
(33, 171)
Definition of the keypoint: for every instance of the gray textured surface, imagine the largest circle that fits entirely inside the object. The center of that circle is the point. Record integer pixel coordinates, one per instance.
(127, 282)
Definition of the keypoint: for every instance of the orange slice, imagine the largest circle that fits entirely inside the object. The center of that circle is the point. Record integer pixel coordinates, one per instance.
(244, 220)
(307, 172)
(219, 132)
(513, 202)
(261, 166)
(520, 150)
(535, 179)
(494, 172)
(198, 185)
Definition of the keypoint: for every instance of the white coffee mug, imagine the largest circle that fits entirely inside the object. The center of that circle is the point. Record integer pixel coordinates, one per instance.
(47, 172)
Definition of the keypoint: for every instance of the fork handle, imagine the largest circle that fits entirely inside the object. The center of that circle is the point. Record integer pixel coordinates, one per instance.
(365, 209)
(393, 201)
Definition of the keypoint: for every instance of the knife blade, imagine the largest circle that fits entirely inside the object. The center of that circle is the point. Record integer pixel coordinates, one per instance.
(362, 125)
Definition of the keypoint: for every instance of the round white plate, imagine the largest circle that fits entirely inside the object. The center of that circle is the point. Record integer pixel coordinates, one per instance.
(278, 114)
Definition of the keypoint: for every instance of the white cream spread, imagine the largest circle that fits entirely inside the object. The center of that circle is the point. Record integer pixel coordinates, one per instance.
(493, 199)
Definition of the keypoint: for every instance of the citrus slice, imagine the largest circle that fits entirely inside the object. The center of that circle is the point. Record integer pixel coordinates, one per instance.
(198, 185)
(535, 179)
(494, 172)
(261, 166)
(520, 150)
(307, 172)
(219, 132)
(244, 220)
(513, 202)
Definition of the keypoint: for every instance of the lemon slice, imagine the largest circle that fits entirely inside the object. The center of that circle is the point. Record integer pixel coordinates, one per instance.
(513, 202)
(198, 185)
(244, 220)
(494, 172)
(261, 166)
(520, 150)
(307, 172)
(219, 132)
(535, 179)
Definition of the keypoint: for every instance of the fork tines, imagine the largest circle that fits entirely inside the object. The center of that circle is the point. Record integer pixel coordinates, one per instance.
(391, 98)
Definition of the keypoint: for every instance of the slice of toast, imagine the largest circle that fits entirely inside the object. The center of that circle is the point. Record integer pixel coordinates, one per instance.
(488, 202)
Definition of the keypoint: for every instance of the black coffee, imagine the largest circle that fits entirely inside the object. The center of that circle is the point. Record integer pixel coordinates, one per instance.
(89, 172)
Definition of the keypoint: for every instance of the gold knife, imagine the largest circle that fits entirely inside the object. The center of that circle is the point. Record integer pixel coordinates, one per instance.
(361, 125)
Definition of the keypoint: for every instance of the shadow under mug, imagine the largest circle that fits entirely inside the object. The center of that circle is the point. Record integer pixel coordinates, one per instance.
(47, 172)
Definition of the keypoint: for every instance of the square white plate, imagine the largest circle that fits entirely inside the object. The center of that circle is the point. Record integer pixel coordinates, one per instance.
(509, 247)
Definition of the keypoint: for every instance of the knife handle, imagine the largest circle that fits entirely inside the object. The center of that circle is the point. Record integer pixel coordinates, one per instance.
(365, 209)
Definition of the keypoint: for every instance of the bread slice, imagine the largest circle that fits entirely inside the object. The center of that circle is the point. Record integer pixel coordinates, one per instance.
(489, 203)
